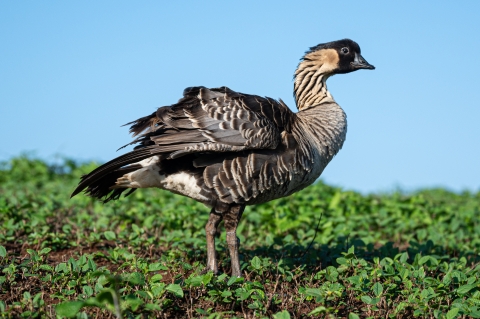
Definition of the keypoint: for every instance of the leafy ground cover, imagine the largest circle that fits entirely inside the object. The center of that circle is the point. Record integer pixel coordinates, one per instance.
(376, 256)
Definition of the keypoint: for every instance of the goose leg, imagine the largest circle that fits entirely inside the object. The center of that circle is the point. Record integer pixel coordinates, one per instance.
(211, 230)
(231, 219)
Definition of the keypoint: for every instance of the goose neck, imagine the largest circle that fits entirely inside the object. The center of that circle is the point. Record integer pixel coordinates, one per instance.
(310, 87)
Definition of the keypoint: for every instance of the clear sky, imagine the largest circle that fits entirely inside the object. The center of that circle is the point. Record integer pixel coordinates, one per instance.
(72, 72)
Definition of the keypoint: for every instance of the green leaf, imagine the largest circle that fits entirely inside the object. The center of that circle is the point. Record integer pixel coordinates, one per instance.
(366, 299)
(452, 313)
(152, 306)
(207, 278)
(474, 313)
(377, 289)
(353, 316)
(175, 289)
(45, 251)
(418, 313)
(91, 264)
(31, 252)
(109, 235)
(351, 250)
(137, 229)
(69, 309)
(331, 274)
(243, 294)
(196, 281)
(317, 310)
(234, 280)
(46, 267)
(73, 263)
(136, 278)
(156, 267)
(256, 263)
(37, 300)
(158, 289)
(62, 267)
(404, 273)
(335, 200)
(426, 259)
(313, 292)
(423, 260)
(156, 278)
(3, 252)
(201, 311)
(404, 257)
(133, 302)
(282, 315)
(426, 293)
(87, 290)
(464, 289)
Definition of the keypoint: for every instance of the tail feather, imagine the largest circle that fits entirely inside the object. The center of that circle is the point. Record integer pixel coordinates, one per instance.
(98, 183)
(102, 188)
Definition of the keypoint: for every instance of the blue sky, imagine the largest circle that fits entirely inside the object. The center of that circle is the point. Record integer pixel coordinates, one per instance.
(72, 72)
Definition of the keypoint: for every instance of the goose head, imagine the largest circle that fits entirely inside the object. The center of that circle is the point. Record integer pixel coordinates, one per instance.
(321, 62)
(337, 57)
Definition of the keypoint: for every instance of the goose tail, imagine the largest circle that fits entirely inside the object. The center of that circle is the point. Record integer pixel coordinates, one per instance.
(100, 182)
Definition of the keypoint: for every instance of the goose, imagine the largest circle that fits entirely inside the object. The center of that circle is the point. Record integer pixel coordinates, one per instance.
(227, 149)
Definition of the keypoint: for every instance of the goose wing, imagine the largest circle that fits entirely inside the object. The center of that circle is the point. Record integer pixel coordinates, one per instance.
(213, 120)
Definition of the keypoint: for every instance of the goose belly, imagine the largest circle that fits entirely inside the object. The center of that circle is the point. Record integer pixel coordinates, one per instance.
(297, 183)
(299, 178)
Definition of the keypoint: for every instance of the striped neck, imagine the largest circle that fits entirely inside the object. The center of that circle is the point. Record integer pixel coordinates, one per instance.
(324, 126)
(310, 87)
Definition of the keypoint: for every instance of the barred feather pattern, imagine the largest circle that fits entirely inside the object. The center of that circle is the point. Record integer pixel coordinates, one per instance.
(223, 147)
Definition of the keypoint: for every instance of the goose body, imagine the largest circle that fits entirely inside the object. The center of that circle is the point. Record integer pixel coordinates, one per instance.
(228, 149)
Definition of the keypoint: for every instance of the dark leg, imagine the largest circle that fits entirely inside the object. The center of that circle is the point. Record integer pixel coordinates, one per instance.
(211, 230)
(231, 219)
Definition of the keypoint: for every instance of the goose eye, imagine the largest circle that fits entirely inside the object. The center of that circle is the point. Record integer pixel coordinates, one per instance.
(345, 50)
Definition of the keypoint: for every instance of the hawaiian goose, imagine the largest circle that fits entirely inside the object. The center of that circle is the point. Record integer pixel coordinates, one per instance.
(228, 149)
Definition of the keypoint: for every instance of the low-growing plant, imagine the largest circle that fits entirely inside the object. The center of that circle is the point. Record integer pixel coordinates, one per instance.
(374, 256)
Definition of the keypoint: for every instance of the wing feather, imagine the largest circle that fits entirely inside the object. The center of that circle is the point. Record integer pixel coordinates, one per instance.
(215, 120)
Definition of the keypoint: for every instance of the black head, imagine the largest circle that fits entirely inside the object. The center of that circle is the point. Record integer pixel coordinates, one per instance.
(342, 56)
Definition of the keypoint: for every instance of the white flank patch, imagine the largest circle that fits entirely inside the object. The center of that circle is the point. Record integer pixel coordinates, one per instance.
(149, 176)
(184, 184)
